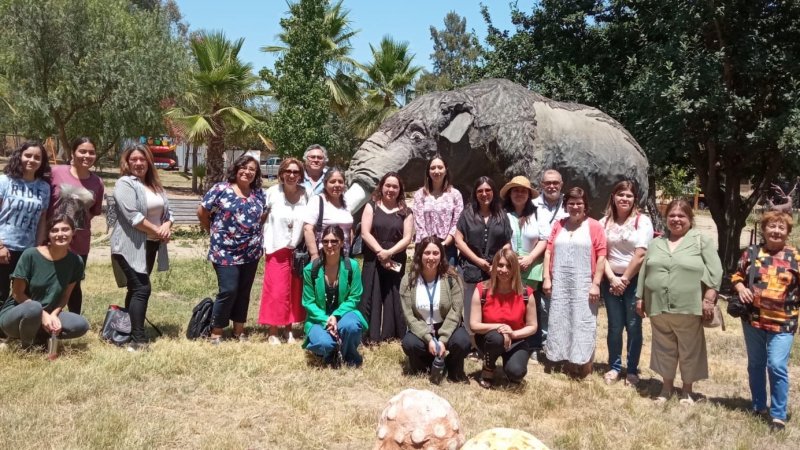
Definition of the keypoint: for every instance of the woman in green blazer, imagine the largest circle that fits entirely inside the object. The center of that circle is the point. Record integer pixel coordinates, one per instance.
(331, 292)
(434, 286)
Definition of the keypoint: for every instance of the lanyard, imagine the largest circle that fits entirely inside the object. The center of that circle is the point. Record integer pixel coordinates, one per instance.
(431, 293)
(555, 212)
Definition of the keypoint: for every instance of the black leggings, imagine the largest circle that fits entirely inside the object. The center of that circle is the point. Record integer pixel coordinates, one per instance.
(138, 290)
(515, 359)
(76, 297)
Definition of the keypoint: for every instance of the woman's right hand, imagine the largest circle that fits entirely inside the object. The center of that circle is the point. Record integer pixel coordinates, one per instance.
(617, 286)
(547, 287)
(745, 294)
(640, 308)
(485, 266)
(432, 348)
(525, 262)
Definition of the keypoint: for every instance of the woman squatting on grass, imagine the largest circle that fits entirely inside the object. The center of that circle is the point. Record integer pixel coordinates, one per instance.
(43, 281)
(331, 292)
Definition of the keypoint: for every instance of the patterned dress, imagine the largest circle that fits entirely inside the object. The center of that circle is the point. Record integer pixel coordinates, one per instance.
(572, 321)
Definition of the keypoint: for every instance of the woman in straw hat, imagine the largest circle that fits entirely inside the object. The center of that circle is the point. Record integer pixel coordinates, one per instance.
(527, 240)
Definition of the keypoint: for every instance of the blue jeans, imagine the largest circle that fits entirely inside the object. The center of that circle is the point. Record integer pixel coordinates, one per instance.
(233, 298)
(542, 315)
(621, 310)
(322, 344)
(768, 353)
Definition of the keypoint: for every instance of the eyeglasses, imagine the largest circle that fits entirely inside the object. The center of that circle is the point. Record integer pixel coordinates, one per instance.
(551, 183)
(292, 172)
(316, 157)
(330, 242)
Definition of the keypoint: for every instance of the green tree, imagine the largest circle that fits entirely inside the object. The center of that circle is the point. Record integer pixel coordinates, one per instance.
(714, 83)
(334, 42)
(315, 40)
(388, 81)
(456, 56)
(221, 86)
(89, 67)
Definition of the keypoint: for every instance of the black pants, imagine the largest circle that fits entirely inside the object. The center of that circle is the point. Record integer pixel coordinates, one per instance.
(5, 274)
(76, 297)
(138, 294)
(420, 359)
(515, 359)
(233, 299)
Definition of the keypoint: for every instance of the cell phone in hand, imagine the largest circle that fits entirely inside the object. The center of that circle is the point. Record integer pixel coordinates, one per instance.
(396, 266)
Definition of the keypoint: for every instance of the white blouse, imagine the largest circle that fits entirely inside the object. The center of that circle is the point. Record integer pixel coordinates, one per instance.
(284, 227)
(424, 302)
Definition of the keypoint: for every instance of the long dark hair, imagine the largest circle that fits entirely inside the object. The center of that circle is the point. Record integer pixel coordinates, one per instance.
(238, 164)
(328, 175)
(611, 207)
(429, 182)
(444, 269)
(77, 142)
(527, 211)
(377, 194)
(494, 207)
(337, 231)
(14, 167)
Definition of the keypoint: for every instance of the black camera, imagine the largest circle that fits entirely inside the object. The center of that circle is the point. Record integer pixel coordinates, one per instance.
(737, 308)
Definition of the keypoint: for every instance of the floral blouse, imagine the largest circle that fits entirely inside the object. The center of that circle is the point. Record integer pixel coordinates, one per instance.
(436, 216)
(235, 225)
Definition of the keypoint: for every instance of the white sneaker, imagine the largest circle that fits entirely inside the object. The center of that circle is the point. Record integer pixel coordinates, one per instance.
(534, 357)
(290, 338)
(273, 340)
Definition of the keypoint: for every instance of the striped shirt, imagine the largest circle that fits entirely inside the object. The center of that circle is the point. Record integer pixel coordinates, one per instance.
(126, 240)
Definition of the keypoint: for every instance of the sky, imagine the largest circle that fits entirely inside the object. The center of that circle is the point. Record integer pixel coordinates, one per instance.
(257, 21)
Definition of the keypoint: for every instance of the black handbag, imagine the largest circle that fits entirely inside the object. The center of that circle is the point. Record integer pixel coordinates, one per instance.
(117, 326)
(358, 242)
(736, 307)
(301, 256)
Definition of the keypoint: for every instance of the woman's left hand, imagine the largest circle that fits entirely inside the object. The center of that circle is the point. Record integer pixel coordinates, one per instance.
(383, 256)
(165, 231)
(525, 262)
(594, 293)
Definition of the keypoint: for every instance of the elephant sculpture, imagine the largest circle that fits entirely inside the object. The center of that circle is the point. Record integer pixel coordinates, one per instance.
(499, 129)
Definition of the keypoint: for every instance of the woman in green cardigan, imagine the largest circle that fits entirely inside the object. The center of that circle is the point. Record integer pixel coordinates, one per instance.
(432, 285)
(331, 292)
(678, 285)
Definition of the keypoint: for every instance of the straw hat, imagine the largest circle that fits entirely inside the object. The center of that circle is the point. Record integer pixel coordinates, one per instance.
(518, 181)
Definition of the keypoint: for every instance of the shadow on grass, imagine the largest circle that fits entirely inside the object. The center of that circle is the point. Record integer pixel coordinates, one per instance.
(168, 330)
(732, 403)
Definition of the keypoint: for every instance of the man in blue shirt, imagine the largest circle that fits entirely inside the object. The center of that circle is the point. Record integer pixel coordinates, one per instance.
(316, 160)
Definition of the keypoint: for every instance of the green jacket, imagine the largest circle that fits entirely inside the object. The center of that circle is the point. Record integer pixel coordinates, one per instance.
(314, 295)
(672, 282)
(451, 307)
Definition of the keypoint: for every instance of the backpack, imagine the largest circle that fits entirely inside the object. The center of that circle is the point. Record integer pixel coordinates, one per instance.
(200, 323)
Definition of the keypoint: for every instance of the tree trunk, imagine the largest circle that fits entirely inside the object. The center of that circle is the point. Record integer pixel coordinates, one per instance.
(215, 164)
(66, 152)
(195, 188)
(186, 157)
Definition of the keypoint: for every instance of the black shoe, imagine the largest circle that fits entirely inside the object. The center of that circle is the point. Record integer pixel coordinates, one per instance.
(777, 425)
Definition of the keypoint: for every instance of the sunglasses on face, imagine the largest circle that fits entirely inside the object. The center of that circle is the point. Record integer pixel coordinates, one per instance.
(292, 172)
(330, 242)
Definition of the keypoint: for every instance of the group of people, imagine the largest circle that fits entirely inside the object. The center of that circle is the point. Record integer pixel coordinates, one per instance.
(512, 274)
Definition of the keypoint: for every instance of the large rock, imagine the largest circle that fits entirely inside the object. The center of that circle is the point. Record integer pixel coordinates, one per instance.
(504, 439)
(416, 419)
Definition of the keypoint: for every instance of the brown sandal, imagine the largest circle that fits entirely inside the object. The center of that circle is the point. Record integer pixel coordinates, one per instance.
(486, 380)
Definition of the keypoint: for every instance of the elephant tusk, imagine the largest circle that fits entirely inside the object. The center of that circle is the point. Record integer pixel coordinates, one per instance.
(355, 197)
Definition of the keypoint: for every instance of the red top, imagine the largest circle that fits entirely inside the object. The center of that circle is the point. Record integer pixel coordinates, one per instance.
(508, 309)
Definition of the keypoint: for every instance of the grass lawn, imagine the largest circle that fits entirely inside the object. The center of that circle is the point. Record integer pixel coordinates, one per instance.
(184, 394)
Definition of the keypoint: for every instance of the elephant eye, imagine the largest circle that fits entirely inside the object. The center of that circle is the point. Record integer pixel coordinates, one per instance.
(416, 136)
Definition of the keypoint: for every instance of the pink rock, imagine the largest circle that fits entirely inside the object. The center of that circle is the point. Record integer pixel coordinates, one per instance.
(416, 419)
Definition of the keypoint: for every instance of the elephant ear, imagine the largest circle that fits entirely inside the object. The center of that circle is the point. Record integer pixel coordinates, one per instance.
(457, 127)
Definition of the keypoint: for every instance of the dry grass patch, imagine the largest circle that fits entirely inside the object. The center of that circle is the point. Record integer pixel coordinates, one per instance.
(184, 394)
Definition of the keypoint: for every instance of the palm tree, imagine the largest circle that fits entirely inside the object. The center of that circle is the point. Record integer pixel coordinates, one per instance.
(335, 35)
(388, 81)
(220, 87)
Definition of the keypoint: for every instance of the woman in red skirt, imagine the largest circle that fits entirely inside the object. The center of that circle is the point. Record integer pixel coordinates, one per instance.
(281, 292)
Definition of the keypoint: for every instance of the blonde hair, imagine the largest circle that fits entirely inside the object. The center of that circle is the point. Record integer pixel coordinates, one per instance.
(513, 267)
